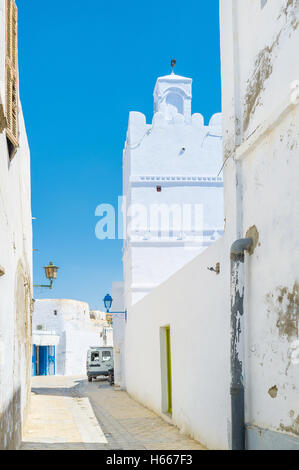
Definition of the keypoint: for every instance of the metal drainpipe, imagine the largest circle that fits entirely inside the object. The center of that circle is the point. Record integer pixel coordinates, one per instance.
(237, 256)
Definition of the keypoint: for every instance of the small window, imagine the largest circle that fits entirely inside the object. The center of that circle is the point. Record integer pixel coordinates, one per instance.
(95, 357)
(39, 327)
(263, 3)
(55, 312)
(106, 355)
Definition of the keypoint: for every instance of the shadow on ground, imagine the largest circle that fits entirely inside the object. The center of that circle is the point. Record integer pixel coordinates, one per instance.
(65, 446)
(75, 391)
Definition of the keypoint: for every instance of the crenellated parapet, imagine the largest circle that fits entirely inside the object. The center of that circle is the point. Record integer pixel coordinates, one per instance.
(191, 147)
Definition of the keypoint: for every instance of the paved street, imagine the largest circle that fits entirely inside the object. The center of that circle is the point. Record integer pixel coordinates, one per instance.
(70, 413)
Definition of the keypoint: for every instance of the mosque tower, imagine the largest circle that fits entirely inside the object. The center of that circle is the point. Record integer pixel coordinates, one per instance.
(173, 162)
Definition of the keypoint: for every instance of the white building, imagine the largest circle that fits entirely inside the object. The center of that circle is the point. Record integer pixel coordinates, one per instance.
(170, 167)
(15, 240)
(191, 316)
(261, 116)
(119, 324)
(63, 331)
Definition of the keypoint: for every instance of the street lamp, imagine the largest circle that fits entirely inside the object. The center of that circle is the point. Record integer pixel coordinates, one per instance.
(51, 274)
(108, 303)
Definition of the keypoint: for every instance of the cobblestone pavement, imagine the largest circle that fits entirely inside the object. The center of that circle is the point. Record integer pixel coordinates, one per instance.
(71, 413)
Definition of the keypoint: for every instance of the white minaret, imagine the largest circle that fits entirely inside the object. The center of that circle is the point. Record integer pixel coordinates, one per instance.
(171, 164)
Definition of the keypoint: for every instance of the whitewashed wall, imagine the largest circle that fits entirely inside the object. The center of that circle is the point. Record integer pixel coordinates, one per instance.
(261, 135)
(16, 284)
(119, 324)
(195, 303)
(259, 42)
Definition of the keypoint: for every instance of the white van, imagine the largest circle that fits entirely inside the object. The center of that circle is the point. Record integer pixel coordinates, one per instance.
(99, 361)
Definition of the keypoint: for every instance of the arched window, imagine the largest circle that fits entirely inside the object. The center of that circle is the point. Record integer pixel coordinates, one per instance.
(174, 105)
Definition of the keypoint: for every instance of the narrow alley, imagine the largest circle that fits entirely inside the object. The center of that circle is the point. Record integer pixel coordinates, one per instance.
(68, 413)
(149, 214)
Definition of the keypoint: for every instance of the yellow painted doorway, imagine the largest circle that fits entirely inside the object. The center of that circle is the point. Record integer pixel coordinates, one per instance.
(168, 365)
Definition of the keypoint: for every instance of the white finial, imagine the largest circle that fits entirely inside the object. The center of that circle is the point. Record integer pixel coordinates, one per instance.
(173, 64)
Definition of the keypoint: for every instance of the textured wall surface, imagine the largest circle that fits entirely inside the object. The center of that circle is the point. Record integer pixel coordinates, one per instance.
(16, 283)
(261, 116)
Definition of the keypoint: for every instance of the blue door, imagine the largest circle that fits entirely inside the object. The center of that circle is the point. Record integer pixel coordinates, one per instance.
(43, 360)
(51, 360)
(33, 372)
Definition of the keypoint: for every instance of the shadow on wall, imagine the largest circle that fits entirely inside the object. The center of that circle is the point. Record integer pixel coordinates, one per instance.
(11, 423)
(61, 355)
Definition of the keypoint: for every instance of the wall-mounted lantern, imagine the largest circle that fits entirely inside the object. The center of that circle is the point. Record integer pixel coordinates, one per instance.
(51, 274)
(2, 271)
(51, 271)
(108, 303)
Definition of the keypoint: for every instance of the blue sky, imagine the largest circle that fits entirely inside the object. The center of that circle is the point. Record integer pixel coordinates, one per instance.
(83, 67)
